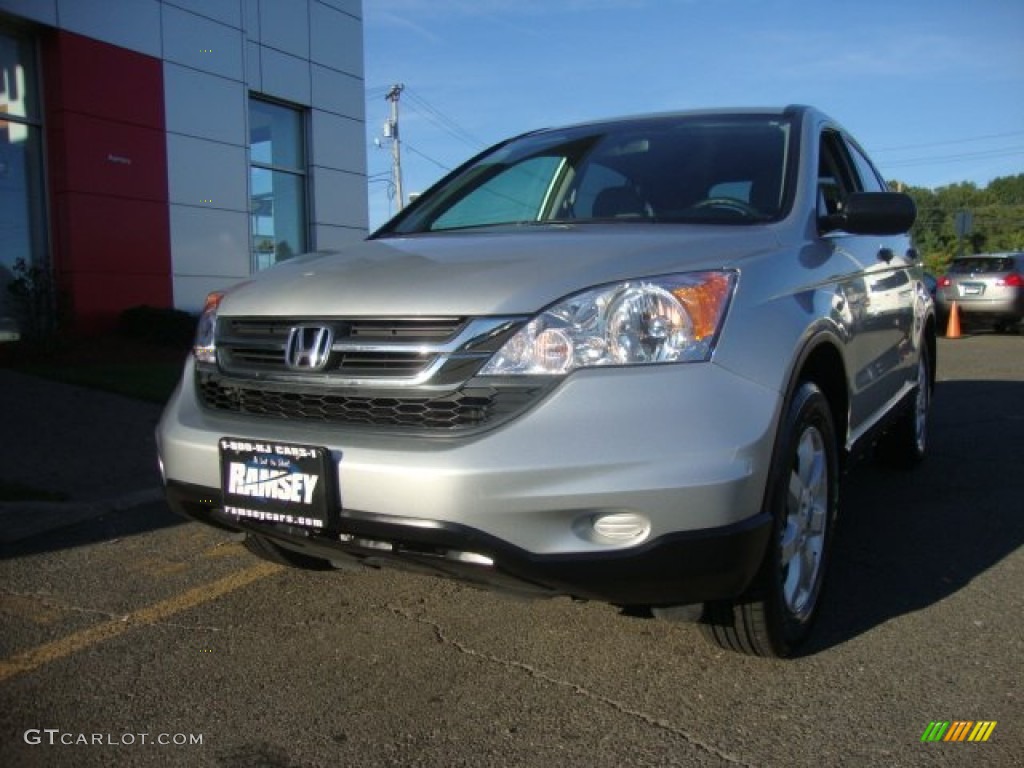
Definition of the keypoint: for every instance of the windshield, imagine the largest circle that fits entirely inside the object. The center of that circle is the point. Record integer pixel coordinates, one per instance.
(698, 169)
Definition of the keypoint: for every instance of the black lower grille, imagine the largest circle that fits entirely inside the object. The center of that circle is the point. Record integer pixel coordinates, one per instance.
(466, 408)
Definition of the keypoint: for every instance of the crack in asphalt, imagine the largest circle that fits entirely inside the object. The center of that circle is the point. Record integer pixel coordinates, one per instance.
(154, 614)
(534, 672)
(48, 602)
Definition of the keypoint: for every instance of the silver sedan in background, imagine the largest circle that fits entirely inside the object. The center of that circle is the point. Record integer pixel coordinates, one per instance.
(987, 287)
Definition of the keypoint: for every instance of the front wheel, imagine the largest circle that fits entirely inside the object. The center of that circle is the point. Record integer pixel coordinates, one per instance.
(776, 615)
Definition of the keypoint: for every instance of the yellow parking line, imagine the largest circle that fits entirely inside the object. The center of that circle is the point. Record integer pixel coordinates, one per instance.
(34, 658)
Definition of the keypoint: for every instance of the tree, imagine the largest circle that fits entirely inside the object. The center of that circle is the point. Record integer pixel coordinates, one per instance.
(998, 219)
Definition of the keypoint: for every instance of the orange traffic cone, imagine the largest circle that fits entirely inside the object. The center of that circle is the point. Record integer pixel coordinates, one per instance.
(953, 326)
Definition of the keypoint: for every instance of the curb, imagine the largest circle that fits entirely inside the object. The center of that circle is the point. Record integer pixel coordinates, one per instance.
(24, 519)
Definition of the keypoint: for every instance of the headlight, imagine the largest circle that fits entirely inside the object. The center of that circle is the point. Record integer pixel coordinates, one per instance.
(204, 348)
(668, 319)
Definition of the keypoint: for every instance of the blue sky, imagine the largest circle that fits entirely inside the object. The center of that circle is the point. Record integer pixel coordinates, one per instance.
(934, 89)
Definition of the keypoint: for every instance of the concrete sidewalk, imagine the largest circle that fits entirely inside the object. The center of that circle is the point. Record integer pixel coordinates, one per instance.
(95, 448)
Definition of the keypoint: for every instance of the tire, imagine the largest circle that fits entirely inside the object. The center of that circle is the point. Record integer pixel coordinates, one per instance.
(1006, 326)
(776, 615)
(268, 550)
(905, 445)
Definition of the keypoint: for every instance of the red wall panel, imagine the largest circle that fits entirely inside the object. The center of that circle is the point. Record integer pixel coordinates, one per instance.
(109, 235)
(106, 81)
(107, 160)
(105, 295)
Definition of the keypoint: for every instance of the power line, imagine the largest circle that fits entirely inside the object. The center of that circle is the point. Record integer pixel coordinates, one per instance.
(415, 151)
(949, 142)
(440, 125)
(991, 153)
(441, 120)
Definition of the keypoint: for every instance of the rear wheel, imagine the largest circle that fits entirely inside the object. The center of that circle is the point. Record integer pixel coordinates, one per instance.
(776, 615)
(1009, 325)
(906, 444)
(268, 550)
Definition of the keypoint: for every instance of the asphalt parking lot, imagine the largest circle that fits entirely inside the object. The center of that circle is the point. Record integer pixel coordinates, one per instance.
(133, 638)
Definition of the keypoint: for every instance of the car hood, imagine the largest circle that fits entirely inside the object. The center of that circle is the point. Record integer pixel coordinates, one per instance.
(493, 273)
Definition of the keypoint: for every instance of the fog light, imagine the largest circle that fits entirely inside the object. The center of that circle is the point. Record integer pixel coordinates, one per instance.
(622, 526)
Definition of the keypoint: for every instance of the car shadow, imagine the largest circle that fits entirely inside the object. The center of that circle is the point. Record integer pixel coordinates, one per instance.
(107, 527)
(908, 540)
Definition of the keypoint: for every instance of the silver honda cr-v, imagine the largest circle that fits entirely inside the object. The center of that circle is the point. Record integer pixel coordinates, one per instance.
(622, 361)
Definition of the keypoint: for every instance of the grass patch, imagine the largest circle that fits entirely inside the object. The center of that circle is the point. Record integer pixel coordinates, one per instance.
(20, 492)
(113, 362)
(150, 381)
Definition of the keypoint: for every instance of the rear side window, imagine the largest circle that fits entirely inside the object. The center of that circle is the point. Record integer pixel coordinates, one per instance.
(981, 266)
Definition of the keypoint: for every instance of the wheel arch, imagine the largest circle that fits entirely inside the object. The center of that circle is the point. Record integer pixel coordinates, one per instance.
(755, 622)
(821, 361)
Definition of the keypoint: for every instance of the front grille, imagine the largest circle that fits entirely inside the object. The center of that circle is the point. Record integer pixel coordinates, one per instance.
(467, 408)
(420, 330)
(363, 348)
(354, 364)
(417, 374)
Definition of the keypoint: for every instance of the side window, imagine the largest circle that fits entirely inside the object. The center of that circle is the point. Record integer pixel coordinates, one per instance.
(869, 177)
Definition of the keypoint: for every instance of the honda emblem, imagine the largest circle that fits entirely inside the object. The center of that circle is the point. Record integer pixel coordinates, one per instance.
(308, 348)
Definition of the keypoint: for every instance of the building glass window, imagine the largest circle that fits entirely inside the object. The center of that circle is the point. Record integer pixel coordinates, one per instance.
(277, 183)
(22, 200)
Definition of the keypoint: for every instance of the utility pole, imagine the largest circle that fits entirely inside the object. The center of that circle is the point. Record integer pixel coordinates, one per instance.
(391, 132)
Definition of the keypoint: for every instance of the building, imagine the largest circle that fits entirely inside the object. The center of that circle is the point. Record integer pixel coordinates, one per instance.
(154, 150)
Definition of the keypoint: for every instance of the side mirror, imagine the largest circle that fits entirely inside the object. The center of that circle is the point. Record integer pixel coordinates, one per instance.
(873, 213)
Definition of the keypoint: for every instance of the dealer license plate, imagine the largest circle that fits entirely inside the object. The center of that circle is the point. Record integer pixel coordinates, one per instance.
(275, 482)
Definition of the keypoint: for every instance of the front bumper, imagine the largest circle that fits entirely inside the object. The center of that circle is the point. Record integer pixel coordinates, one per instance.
(687, 447)
(676, 569)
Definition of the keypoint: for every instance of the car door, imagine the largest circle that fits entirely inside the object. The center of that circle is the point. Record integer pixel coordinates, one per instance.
(880, 287)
